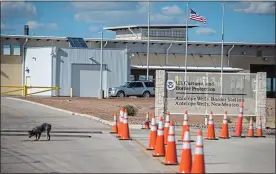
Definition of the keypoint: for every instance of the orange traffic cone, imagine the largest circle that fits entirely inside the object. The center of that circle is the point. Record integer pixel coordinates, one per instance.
(166, 129)
(251, 129)
(147, 122)
(115, 125)
(159, 149)
(125, 127)
(211, 128)
(121, 117)
(198, 165)
(238, 133)
(185, 125)
(186, 157)
(171, 154)
(224, 131)
(153, 133)
(259, 127)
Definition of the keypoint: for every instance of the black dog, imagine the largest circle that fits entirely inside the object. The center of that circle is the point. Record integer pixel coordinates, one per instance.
(39, 129)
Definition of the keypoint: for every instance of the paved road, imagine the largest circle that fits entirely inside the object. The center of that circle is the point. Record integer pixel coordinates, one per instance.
(104, 153)
(100, 153)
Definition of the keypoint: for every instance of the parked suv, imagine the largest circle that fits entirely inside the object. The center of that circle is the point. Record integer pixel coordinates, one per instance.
(133, 88)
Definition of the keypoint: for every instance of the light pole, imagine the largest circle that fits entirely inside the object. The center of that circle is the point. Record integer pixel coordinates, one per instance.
(221, 54)
(101, 92)
(148, 42)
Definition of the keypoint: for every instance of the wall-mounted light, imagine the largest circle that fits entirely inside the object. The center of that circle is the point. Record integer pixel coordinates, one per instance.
(243, 53)
(265, 58)
(27, 70)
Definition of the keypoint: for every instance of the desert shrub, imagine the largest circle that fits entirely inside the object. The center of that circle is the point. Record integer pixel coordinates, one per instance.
(230, 120)
(131, 110)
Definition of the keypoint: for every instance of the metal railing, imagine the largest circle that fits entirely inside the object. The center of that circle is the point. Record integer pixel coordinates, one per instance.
(26, 92)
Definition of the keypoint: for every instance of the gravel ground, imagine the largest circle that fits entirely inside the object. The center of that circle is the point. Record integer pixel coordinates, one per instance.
(105, 108)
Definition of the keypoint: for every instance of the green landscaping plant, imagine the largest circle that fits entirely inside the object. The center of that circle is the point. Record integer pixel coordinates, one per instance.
(131, 110)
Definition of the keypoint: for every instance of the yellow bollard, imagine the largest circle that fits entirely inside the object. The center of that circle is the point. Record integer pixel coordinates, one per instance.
(71, 92)
(25, 90)
(57, 90)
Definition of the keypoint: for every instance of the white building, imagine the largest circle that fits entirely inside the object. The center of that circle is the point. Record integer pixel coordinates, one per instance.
(167, 51)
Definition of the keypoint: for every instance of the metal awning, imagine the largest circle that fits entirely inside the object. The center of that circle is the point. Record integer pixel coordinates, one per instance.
(191, 68)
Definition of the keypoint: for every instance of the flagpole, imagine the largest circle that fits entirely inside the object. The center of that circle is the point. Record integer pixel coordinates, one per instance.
(186, 44)
(221, 56)
(148, 42)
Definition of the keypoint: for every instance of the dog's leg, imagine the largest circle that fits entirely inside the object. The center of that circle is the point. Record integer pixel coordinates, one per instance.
(49, 136)
(35, 136)
(39, 134)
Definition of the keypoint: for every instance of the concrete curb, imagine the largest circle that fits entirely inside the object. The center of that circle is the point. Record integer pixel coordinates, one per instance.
(95, 118)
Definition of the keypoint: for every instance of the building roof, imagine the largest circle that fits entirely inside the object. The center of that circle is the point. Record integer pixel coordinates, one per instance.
(188, 68)
(137, 41)
(155, 26)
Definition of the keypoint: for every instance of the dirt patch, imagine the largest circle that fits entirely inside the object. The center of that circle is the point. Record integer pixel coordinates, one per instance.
(105, 108)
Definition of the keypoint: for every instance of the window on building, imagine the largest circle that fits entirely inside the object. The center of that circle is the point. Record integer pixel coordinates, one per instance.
(161, 33)
(7, 50)
(268, 84)
(144, 77)
(259, 53)
(274, 84)
(16, 50)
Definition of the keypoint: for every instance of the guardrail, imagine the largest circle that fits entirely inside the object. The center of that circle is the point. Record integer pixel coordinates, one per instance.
(25, 89)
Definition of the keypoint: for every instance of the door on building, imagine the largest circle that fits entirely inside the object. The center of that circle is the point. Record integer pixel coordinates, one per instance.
(85, 80)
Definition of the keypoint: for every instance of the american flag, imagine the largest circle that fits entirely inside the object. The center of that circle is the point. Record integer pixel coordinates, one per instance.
(197, 17)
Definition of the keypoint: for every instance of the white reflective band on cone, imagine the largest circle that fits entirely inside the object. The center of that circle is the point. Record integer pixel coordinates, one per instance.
(160, 125)
(171, 138)
(199, 150)
(160, 132)
(210, 116)
(210, 122)
(153, 121)
(153, 128)
(185, 117)
(199, 141)
(171, 130)
(167, 118)
(187, 136)
(186, 145)
(241, 110)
